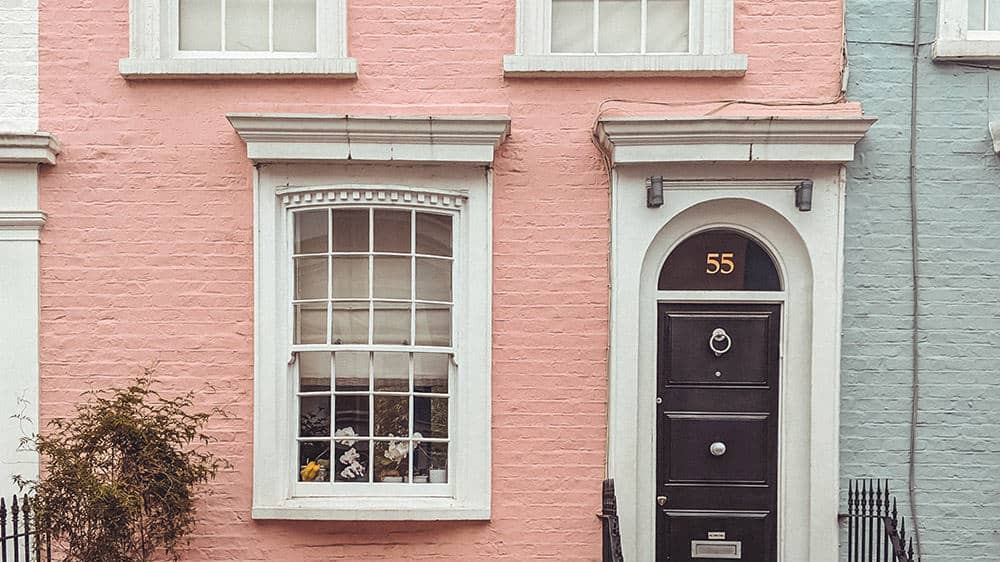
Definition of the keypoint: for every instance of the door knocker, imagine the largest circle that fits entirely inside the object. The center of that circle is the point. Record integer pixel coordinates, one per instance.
(720, 343)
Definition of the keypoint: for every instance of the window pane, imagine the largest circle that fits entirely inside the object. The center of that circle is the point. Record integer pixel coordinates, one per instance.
(433, 279)
(392, 416)
(310, 323)
(433, 234)
(391, 277)
(392, 372)
(246, 25)
(350, 322)
(430, 372)
(314, 372)
(977, 15)
(318, 452)
(314, 416)
(295, 25)
(392, 462)
(352, 417)
(572, 26)
(350, 231)
(311, 232)
(200, 25)
(310, 278)
(350, 278)
(430, 463)
(430, 416)
(667, 26)
(719, 260)
(351, 462)
(620, 26)
(433, 325)
(392, 231)
(352, 371)
(392, 323)
(994, 23)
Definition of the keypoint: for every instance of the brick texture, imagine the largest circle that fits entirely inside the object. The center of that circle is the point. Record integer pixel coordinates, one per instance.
(19, 65)
(147, 254)
(958, 453)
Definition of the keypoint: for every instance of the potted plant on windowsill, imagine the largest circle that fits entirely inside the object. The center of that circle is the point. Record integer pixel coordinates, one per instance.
(392, 462)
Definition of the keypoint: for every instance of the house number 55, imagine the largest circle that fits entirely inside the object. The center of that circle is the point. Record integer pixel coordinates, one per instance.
(719, 263)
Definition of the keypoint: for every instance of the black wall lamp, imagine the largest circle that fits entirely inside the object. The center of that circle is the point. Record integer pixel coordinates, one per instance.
(654, 192)
(804, 195)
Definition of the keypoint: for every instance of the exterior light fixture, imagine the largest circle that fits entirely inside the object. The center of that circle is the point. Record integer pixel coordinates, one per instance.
(654, 192)
(804, 195)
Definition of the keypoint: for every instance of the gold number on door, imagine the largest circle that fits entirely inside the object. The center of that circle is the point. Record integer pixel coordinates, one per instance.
(719, 263)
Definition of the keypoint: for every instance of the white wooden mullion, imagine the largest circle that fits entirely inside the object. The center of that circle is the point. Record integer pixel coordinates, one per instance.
(333, 417)
(643, 31)
(597, 25)
(371, 341)
(270, 26)
(222, 25)
(413, 277)
(371, 418)
(329, 276)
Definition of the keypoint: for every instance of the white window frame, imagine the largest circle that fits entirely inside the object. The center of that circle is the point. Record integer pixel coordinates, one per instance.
(954, 39)
(710, 38)
(437, 164)
(154, 48)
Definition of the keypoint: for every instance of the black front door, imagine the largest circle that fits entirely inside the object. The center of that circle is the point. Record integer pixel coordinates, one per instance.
(717, 432)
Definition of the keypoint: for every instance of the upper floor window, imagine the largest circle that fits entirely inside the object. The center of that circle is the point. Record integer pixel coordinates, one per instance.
(211, 38)
(647, 37)
(620, 26)
(239, 26)
(968, 30)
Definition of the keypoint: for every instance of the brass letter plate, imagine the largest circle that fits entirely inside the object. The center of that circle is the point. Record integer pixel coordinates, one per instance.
(725, 550)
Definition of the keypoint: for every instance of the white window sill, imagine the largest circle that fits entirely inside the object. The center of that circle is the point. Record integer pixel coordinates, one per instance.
(624, 65)
(958, 49)
(140, 69)
(373, 509)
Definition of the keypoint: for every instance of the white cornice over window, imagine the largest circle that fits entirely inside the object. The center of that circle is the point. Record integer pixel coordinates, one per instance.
(955, 39)
(154, 49)
(729, 139)
(311, 138)
(710, 51)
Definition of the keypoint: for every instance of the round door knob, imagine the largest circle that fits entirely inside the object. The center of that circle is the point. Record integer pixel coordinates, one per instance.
(717, 449)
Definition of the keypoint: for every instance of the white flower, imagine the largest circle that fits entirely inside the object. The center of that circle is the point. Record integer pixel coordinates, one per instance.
(396, 451)
(417, 435)
(350, 456)
(346, 432)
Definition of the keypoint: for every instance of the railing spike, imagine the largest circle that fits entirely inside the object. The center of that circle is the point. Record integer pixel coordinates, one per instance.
(909, 551)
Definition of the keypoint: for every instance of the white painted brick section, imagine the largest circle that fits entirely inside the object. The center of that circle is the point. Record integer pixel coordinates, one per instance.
(19, 65)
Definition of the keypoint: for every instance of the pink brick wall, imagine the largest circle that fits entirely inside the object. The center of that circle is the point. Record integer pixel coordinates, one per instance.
(147, 254)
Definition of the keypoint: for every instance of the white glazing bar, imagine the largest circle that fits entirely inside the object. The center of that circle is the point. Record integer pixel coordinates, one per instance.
(222, 25)
(270, 25)
(413, 277)
(371, 418)
(597, 26)
(333, 418)
(643, 31)
(410, 399)
(371, 276)
(329, 276)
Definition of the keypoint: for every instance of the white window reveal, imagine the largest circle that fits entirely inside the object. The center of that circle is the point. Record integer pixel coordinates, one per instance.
(372, 303)
(642, 37)
(968, 30)
(373, 336)
(190, 38)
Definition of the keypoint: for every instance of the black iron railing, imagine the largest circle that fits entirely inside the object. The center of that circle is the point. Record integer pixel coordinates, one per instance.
(611, 533)
(875, 530)
(20, 540)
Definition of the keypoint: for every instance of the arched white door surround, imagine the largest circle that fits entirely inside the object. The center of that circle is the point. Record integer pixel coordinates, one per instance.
(756, 197)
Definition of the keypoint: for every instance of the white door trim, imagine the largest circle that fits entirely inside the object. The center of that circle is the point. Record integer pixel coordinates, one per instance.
(809, 405)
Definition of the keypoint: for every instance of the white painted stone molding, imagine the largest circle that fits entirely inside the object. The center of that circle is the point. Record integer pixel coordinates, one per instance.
(995, 134)
(28, 148)
(312, 138)
(731, 139)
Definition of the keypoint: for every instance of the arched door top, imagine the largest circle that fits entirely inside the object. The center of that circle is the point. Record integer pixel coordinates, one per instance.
(719, 260)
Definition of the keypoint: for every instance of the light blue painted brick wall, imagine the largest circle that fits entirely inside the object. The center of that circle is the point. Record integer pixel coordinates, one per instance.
(958, 452)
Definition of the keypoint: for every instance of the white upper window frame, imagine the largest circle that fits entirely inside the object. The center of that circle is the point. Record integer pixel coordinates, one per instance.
(154, 48)
(710, 54)
(954, 39)
(437, 164)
